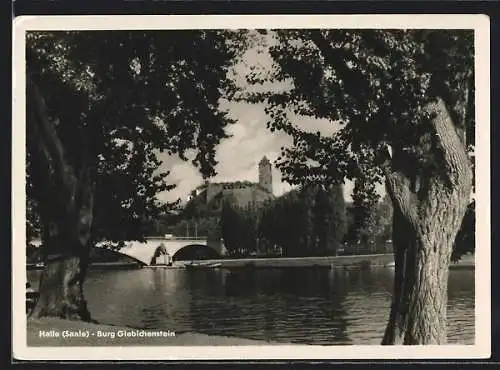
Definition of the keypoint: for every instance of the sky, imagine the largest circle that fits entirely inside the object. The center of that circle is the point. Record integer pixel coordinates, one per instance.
(239, 155)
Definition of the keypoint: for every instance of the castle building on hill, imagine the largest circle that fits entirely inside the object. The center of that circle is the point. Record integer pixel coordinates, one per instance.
(242, 193)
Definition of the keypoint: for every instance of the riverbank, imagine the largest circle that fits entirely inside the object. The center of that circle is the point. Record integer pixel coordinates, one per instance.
(355, 261)
(345, 262)
(53, 332)
(95, 265)
(360, 261)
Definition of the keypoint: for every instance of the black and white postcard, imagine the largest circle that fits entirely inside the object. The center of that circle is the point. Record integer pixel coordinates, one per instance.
(251, 187)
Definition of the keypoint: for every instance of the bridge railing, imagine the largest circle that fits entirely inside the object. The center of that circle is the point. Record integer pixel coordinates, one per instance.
(187, 238)
(179, 237)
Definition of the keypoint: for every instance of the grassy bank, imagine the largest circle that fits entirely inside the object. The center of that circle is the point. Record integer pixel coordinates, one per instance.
(52, 332)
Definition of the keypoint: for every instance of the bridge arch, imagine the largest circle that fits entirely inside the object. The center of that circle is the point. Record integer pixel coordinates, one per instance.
(195, 252)
(102, 253)
(152, 248)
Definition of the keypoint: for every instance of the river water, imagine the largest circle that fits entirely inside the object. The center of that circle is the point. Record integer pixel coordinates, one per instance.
(291, 305)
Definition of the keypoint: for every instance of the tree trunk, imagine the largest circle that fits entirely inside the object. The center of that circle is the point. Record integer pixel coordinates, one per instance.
(61, 290)
(426, 222)
(66, 199)
(418, 312)
(66, 251)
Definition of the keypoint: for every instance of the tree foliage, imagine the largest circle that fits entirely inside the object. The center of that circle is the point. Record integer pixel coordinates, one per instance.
(234, 230)
(373, 87)
(373, 84)
(369, 226)
(287, 223)
(117, 99)
(329, 219)
(305, 222)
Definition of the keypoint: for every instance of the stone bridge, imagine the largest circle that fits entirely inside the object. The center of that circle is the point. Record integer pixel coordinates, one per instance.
(161, 250)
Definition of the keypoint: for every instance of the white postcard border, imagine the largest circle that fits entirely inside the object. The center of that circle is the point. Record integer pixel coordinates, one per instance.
(482, 346)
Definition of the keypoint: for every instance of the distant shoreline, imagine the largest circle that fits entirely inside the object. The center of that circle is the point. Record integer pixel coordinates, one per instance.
(355, 261)
(95, 265)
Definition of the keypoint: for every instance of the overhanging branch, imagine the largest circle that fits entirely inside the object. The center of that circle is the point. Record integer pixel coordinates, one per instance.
(452, 152)
(355, 83)
(398, 184)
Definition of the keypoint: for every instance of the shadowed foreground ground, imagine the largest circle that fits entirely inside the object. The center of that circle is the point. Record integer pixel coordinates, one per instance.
(42, 332)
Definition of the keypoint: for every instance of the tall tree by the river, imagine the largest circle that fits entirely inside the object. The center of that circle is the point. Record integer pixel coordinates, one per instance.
(305, 222)
(286, 222)
(100, 105)
(362, 228)
(403, 104)
(329, 214)
(233, 229)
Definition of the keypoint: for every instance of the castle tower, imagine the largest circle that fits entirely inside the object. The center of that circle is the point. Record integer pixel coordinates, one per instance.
(265, 175)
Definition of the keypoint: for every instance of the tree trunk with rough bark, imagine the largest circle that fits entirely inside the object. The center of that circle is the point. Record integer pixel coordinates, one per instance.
(61, 290)
(66, 210)
(426, 221)
(66, 252)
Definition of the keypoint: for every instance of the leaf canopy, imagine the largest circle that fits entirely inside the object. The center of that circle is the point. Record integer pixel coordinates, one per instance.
(372, 85)
(118, 99)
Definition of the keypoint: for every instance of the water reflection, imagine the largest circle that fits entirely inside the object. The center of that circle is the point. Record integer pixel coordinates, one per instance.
(297, 305)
